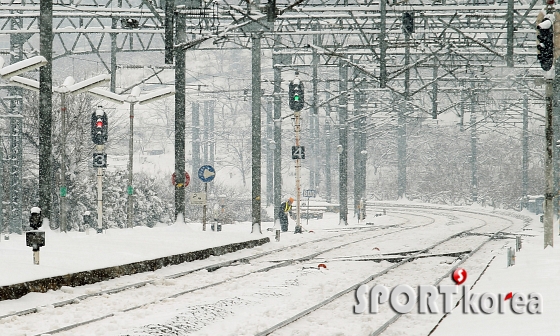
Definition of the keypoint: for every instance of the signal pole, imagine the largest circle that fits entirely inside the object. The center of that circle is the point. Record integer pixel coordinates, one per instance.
(297, 101)
(45, 108)
(545, 55)
(180, 34)
(549, 171)
(100, 194)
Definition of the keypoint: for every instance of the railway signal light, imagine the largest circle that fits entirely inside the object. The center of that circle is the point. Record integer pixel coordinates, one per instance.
(296, 96)
(545, 46)
(408, 22)
(99, 128)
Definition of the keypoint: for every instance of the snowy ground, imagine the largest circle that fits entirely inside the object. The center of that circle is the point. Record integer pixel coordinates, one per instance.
(244, 304)
(70, 252)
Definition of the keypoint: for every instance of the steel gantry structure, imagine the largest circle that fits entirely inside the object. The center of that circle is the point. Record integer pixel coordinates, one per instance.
(417, 54)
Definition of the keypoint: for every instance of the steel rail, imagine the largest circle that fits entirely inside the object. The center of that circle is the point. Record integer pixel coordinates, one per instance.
(210, 267)
(224, 264)
(376, 275)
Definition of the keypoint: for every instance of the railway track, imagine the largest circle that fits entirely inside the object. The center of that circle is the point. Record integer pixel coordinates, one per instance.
(310, 245)
(291, 323)
(268, 262)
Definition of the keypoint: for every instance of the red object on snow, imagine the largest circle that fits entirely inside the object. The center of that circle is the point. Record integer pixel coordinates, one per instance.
(375, 248)
(322, 266)
(508, 296)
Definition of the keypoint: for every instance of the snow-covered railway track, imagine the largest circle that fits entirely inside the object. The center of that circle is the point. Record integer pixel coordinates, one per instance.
(303, 317)
(209, 267)
(329, 241)
(261, 288)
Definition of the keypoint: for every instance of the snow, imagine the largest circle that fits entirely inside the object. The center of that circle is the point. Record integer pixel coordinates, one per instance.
(247, 304)
(70, 252)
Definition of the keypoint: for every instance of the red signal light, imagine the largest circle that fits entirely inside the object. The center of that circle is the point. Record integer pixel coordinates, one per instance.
(99, 123)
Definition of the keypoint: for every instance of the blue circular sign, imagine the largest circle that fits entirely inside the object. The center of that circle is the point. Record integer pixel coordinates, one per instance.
(206, 173)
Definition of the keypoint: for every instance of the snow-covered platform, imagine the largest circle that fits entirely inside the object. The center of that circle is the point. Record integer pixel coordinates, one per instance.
(77, 258)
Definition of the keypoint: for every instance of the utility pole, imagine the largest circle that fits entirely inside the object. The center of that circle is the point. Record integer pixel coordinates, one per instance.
(314, 116)
(435, 90)
(269, 154)
(474, 174)
(408, 28)
(328, 133)
(525, 169)
(343, 141)
(383, 44)
(510, 30)
(1, 194)
(180, 35)
(360, 152)
(205, 143)
(276, 60)
(211, 137)
(256, 132)
(328, 139)
(45, 109)
(130, 188)
(195, 143)
(114, 50)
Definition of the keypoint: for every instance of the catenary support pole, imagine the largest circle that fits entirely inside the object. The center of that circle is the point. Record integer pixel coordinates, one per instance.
(276, 60)
(63, 188)
(45, 108)
(113, 86)
(1, 193)
(401, 133)
(206, 124)
(435, 90)
(314, 116)
(168, 36)
(328, 149)
(383, 44)
(256, 132)
(269, 154)
(525, 165)
(180, 34)
(130, 187)
(510, 30)
(15, 156)
(357, 150)
(343, 142)
(556, 138)
(195, 143)
(474, 153)
(211, 136)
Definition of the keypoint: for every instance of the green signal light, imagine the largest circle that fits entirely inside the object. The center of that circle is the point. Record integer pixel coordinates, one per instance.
(296, 97)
